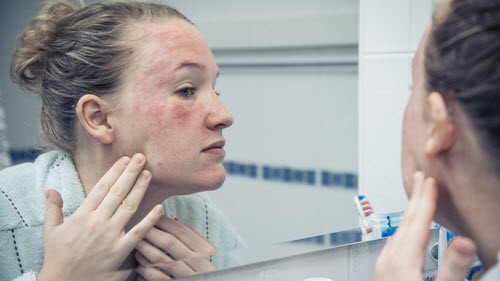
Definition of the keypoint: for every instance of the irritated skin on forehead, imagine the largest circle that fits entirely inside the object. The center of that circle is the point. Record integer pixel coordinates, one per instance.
(159, 53)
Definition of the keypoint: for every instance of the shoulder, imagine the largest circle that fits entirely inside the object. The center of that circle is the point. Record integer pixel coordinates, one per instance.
(21, 193)
(194, 207)
(189, 206)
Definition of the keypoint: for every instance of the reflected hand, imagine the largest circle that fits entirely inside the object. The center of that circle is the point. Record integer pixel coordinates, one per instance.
(402, 257)
(93, 241)
(172, 250)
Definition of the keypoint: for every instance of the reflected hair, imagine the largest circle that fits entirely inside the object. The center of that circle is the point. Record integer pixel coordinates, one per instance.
(70, 50)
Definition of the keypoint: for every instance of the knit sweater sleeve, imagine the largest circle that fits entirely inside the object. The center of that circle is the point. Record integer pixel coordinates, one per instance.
(28, 276)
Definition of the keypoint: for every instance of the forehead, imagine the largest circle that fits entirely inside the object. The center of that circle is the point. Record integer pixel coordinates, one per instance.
(169, 43)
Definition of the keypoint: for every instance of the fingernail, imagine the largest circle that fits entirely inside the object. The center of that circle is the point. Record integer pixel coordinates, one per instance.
(158, 209)
(125, 160)
(47, 194)
(418, 176)
(138, 158)
(145, 175)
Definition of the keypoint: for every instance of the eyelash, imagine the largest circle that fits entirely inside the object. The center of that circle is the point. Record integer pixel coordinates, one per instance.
(184, 95)
(192, 92)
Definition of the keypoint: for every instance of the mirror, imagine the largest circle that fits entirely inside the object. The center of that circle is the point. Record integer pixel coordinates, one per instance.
(289, 76)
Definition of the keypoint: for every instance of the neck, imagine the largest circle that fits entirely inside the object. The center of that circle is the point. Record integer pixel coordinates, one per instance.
(471, 195)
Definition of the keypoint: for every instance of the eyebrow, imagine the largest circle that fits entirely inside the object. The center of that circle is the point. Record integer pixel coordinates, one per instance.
(193, 65)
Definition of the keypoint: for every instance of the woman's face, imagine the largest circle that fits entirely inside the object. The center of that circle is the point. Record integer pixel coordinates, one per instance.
(168, 108)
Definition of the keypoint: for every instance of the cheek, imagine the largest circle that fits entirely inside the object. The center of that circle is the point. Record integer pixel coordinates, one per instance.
(169, 123)
(406, 157)
(181, 113)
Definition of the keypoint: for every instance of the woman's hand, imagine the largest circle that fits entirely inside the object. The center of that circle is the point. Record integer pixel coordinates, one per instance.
(93, 241)
(402, 258)
(172, 250)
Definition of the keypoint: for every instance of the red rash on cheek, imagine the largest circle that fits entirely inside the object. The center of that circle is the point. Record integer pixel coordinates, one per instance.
(181, 112)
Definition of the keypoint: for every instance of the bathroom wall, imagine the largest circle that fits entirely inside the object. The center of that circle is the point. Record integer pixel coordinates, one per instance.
(389, 34)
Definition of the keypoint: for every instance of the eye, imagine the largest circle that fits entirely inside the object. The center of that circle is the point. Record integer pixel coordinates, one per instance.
(186, 92)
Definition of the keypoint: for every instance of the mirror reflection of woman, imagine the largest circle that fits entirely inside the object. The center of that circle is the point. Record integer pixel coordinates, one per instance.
(451, 148)
(130, 107)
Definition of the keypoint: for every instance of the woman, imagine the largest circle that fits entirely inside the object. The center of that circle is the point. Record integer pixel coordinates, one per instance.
(451, 148)
(118, 78)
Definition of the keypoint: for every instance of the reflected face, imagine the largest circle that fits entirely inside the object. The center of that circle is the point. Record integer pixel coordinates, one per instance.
(168, 108)
(413, 136)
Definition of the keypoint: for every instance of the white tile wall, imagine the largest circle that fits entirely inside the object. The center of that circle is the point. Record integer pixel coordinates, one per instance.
(420, 18)
(387, 23)
(389, 34)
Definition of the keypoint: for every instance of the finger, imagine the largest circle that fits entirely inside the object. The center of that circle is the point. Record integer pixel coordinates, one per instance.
(403, 232)
(192, 228)
(130, 240)
(152, 274)
(176, 269)
(200, 264)
(130, 204)
(53, 213)
(95, 196)
(170, 267)
(385, 256)
(159, 258)
(415, 225)
(152, 253)
(458, 259)
(149, 271)
(169, 243)
(122, 186)
(209, 247)
(184, 241)
(424, 213)
(417, 186)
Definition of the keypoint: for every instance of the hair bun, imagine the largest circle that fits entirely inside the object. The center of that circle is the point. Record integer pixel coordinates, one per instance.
(31, 48)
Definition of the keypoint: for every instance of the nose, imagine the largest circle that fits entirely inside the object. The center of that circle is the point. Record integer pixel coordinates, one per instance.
(219, 117)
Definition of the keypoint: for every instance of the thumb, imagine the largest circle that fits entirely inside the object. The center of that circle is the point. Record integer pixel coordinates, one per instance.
(458, 260)
(53, 212)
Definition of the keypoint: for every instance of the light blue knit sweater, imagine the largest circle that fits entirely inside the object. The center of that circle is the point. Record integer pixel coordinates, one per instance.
(22, 208)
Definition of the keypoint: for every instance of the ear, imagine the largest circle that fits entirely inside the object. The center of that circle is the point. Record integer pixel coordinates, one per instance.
(442, 128)
(92, 111)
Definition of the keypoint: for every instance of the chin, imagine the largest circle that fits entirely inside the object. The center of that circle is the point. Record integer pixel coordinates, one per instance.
(208, 182)
(215, 183)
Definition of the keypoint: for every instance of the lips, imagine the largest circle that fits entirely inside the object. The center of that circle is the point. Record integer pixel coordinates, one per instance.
(216, 146)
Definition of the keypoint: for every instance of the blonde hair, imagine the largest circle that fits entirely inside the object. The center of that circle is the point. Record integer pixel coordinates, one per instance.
(70, 50)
